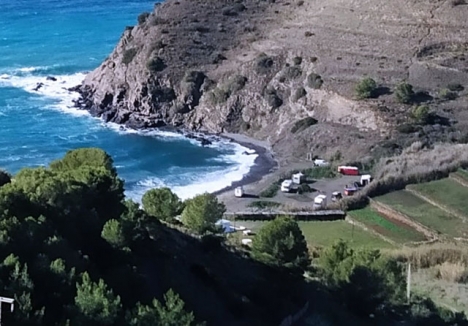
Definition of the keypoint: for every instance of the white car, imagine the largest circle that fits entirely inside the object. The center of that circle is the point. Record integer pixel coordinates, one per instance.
(320, 162)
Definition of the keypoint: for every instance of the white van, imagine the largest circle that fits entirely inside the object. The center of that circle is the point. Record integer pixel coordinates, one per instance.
(286, 185)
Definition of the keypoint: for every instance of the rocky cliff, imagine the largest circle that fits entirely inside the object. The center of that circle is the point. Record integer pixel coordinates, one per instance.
(285, 72)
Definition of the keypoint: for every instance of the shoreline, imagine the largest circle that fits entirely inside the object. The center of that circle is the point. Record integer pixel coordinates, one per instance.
(264, 163)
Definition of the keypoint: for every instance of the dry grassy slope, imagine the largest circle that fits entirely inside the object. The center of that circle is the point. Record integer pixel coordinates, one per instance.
(423, 42)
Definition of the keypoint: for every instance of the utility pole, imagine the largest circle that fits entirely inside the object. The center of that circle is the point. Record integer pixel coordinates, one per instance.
(408, 283)
(9, 301)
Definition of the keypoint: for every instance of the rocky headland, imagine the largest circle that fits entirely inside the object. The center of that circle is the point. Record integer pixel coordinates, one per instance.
(285, 72)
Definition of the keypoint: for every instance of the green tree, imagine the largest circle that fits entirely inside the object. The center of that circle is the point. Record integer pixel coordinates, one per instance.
(366, 88)
(162, 203)
(113, 233)
(281, 242)
(366, 280)
(94, 157)
(171, 313)
(202, 212)
(421, 113)
(404, 92)
(95, 302)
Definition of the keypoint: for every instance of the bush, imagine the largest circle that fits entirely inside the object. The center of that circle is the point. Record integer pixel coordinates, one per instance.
(366, 88)
(112, 232)
(162, 203)
(455, 87)
(128, 56)
(263, 64)
(314, 81)
(233, 10)
(155, 64)
(271, 191)
(404, 93)
(143, 17)
(236, 83)
(272, 98)
(218, 96)
(155, 20)
(303, 124)
(453, 272)
(320, 172)
(447, 94)
(262, 204)
(421, 113)
(365, 279)
(281, 242)
(202, 212)
(297, 61)
(299, 93)
(455, 3)
(291, 73)
(406, 128)
(304, 188)
(222, 93)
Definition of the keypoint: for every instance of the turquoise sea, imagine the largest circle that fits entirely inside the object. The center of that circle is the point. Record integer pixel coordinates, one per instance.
(65, 39)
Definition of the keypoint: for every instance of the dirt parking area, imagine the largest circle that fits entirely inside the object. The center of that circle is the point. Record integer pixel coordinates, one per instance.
(286, 200)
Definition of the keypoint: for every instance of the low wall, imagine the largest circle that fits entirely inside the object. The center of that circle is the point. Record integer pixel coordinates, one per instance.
(301, 216)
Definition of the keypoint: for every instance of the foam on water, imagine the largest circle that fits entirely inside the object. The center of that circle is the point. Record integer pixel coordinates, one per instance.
(56, 90)
(185, 184)
(200, 183)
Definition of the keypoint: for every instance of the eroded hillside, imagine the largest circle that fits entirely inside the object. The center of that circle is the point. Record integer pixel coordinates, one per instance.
(259, 67)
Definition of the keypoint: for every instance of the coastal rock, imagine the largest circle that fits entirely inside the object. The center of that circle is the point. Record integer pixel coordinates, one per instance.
(38, 86)
(223, 67)
(52, 78)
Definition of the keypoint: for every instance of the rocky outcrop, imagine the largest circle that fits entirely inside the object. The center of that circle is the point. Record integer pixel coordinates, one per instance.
(245, 66)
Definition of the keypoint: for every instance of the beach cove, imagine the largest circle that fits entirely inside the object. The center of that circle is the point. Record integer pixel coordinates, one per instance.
(39, 124)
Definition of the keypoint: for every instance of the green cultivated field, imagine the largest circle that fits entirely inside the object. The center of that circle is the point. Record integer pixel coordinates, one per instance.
(424, 213)
(399, 233)
(446, 192)
(327, 233)
(462, 174)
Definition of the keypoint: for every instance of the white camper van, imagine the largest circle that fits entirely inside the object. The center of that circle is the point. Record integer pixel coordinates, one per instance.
(239, 192)
(286, 185)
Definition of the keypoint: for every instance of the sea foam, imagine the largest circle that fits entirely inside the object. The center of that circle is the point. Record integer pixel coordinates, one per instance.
(193, 183)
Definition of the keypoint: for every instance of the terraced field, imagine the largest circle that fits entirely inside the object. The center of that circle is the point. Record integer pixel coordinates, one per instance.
(446, 192)
(423, 212)
(462, 174)
(327, 233)
(384, 225)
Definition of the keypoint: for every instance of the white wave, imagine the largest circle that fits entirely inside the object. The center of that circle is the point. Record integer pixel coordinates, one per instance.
(200, 183)
(56, 90)
(30, 69)
(207, 182)
(23, 71)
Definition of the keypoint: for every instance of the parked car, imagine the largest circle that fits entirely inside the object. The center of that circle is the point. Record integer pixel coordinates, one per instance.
(320, 162)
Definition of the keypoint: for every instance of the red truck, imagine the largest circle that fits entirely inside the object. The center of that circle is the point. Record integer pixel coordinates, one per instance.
(348, 170)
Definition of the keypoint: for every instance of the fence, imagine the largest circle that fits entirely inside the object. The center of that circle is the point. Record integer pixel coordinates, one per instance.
(329, 215)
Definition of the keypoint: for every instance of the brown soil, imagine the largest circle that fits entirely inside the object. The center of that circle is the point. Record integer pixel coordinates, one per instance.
(402, 220)
(343, 41)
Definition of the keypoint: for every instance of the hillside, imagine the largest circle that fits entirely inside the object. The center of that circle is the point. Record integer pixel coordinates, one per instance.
(258, 67)
(73, 252)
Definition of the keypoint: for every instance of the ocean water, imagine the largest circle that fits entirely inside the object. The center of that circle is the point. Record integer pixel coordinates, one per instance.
(65, 39)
